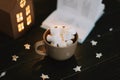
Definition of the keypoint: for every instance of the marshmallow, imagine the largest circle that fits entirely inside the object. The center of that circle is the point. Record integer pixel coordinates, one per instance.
(62, 44)
(49, 38)
(61, 36)
(55, 30)
(68, 36)
(69, 42)
(54, 40)
(54, 44)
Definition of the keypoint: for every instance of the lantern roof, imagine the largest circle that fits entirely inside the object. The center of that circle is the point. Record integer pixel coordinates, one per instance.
(7, 5)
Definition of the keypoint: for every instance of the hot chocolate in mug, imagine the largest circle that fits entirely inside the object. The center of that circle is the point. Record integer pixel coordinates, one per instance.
(57, 53)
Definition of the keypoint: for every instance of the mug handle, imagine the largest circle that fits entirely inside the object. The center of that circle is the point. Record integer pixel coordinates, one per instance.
(40, 44)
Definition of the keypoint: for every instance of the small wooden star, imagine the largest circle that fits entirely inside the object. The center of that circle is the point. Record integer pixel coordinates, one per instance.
(14, 58)
(77, 69)
(98, 35)
(44, 76)
(3, 74)
(94, 43)
(27, 46)
(98, 55)
(110, 29)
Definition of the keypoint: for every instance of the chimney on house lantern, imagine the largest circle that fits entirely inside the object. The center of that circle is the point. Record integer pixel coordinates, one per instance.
(16, 16)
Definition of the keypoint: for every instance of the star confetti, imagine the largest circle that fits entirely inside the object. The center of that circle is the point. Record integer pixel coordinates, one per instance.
(27, 46)
(3, 74)
(77, 69)
(44, 77)
(110, 29)
(94, 43)
(14, 58)
(98, 35)
(98, 55)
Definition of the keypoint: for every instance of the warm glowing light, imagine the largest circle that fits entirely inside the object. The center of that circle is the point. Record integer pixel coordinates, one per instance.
(27, 10)
(21, 27)
(19, 17)
(29, 20)
(22, 3)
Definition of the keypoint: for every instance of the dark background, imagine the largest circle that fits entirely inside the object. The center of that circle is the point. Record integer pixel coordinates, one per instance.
(30, 65)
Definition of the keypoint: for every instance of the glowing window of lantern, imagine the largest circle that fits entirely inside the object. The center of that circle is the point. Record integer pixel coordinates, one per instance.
(22, 3)
(19, 17)
(29, 20)
(28, 10)
(20, 27)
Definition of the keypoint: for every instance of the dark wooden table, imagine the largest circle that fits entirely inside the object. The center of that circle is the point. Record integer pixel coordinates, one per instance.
(30, 66)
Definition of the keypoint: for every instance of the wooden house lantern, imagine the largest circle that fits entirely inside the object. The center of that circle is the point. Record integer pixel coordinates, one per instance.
(16, 16)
